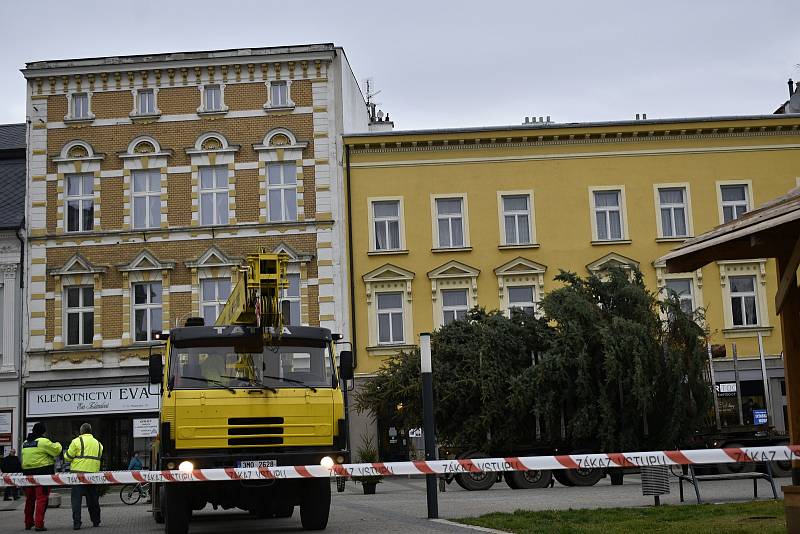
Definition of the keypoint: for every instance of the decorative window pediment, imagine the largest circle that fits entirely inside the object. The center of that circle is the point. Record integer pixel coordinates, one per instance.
(280, 144)
(77, 151)
(144, 146)
(294, 256)
(453, 269)
(213, 257)
(388, 273)
(212, 142)
(612, 259)
(146, 261)
(77, 264)
(520, 266)
(390, 315)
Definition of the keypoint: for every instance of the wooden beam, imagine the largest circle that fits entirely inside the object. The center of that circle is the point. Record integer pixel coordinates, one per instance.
(788, 275)
(790, 331)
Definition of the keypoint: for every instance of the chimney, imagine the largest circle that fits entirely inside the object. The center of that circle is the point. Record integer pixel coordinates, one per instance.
(791, 87)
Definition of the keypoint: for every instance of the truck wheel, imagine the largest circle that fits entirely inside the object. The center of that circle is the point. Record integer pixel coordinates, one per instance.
(176, 510)
(728, 469)
(584, 477)
(316, 505)
(284, 510)
(476, 481)
(528, 479)
(158, 504)
(563, 479)
(781, 468)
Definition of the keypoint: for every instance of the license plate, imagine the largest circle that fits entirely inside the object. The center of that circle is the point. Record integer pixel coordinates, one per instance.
(255, 464)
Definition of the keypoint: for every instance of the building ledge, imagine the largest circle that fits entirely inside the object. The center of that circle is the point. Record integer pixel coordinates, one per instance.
(452, 249)
(680, 239)
(524, 245)
(386, 252)
(748, 331)
(612, 242)
(385, 350)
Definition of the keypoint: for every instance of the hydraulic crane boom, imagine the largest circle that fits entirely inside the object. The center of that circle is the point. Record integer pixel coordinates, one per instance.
(255, 301)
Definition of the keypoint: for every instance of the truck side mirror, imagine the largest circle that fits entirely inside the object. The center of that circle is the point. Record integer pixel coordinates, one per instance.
(346, 365)
(156, 369)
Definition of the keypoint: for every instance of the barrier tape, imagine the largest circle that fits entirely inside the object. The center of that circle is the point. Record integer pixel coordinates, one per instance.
(420, 467)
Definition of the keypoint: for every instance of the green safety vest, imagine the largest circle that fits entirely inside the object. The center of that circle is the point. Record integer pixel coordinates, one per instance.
(39, 452)
(84, 454)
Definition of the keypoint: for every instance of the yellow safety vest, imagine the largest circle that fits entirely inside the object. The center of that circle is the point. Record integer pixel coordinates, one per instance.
(39, 452)
(84, 454)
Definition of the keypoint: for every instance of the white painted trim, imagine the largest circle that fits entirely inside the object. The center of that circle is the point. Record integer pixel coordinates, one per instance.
(688, 200)
(623, 211)
(717, 186)
(531, 215)
(435, 218)
(401, 222)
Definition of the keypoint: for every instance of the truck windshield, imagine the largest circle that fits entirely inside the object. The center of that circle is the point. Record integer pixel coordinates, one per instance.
(281, 366)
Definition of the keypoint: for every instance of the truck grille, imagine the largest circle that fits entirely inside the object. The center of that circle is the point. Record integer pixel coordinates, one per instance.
(246, 426)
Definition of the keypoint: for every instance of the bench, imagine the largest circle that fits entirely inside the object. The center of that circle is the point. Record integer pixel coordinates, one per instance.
(695, 479)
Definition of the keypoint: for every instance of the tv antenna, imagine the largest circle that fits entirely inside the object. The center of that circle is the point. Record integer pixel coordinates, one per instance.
(371, 93)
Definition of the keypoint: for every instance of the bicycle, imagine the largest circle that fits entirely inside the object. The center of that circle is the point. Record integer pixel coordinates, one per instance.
(133, 493)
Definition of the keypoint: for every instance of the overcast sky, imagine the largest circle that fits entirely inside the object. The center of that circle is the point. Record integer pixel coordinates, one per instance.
(460, 63)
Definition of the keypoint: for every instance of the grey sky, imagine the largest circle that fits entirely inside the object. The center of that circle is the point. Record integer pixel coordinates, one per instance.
(465, 63)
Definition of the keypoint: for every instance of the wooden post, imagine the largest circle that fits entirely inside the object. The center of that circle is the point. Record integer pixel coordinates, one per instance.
(790, 330)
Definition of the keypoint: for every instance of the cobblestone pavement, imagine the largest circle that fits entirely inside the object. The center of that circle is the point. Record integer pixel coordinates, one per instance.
(398, 507)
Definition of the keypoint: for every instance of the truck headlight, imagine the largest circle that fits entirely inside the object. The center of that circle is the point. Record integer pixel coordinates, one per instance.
(186, 466)
(326, 462)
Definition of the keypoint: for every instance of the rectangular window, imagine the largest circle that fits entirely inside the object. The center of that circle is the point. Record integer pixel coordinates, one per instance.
(454, 305)
(516, 219)
(673, 212)
(282, 191)
(213, 95)
(292, 295)
(522, 298)
(279, 96)
(214, 195)
(146, 102)
(608, 215)
(146, 198)
(80, 315)
(386, 220)
(682, 287)
(390, 318)
(80, 106)
(735, 201)
(743, 300)
(146, 310)
(214, 293)
(79, 200)
(450, 222)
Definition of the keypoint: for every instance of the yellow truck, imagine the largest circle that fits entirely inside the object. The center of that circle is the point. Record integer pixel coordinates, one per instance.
(250, 391)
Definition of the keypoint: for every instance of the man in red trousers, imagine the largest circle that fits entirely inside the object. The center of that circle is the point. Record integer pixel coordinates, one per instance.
(38, 458)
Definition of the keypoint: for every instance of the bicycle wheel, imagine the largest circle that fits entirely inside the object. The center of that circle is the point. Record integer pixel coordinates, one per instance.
(130, 493)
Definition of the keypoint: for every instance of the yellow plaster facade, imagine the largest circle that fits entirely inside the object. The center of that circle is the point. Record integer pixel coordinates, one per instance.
(664, 180)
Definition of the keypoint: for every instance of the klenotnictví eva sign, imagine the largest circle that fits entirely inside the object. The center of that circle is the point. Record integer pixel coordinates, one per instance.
(92, 400)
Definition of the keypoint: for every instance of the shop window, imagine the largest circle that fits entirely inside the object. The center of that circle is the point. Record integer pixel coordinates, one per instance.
(80, 315)
(146, 310)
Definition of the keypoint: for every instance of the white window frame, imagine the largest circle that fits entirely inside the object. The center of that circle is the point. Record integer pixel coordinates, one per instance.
(294, 299)
(81, 198)
(215, 190)
(388, 278)
(682, 298)
(623, 213)
(533, 304)
(742, 297)
(148, 308)
(464, 221)
(687, 210)
(147, 195)
(271, 103)
(454, 309)
(502, 213)
(373, 241)
(137, 108)
(283, 188)
(80, 310)
(390, 312)
(204, 108)
(758, 269)
(748, 185)
(216, 301)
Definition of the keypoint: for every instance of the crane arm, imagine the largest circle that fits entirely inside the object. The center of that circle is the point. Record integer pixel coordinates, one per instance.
(255, 301)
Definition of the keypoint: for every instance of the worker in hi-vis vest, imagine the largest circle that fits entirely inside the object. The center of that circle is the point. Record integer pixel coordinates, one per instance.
(84, 455)
(38, 458)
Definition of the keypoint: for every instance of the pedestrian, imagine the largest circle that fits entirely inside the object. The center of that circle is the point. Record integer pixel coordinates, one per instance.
(84, 455)
(135, 463)
(38, 458)
(11, 464)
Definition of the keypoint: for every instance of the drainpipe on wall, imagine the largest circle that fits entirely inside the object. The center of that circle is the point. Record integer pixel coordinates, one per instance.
(350, 254)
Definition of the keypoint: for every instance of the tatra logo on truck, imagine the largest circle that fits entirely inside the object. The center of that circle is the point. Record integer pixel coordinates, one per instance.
(117, 398)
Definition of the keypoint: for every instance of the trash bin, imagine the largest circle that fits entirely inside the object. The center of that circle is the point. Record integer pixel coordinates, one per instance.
(655, 481)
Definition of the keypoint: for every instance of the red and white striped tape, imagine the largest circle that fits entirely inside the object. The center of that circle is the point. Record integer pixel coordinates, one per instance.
(475, 465)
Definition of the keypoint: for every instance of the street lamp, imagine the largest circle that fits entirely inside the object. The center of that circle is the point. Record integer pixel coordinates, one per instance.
(427, 414)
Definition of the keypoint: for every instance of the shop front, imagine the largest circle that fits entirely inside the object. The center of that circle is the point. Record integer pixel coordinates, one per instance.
(124, 417)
